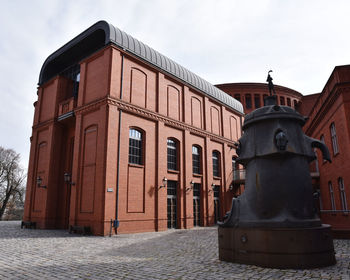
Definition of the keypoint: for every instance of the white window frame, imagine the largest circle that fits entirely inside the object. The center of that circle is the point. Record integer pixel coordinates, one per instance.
(334, 139)
(342, 193)
(331, 194)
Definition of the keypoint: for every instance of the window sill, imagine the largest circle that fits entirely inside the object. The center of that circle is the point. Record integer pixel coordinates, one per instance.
(173, 171)
(136, 165)
(216, 178)
(197, 175)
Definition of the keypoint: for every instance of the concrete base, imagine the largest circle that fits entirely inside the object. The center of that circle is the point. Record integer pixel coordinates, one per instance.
(278, 247)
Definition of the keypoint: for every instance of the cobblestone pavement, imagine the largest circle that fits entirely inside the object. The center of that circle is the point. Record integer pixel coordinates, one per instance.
(173, 254)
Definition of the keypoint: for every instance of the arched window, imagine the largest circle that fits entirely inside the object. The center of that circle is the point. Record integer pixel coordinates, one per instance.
(334, 139)
(135, 146)
(331, 195)
(172, 154)
(196, 160)
(342, 192)
(216, 164)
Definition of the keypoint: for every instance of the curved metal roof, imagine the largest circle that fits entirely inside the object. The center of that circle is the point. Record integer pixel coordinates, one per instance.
(101, 34)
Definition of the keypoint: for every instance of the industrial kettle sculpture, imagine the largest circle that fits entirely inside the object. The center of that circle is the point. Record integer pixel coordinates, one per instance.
(274, 223)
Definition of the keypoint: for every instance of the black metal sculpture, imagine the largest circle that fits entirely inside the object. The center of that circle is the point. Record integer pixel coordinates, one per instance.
(274, 223)
(271, 85)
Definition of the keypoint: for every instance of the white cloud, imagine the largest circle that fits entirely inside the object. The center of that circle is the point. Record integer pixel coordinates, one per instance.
(222, 41)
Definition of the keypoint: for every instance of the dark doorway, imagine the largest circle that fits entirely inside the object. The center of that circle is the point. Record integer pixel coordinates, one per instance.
(172, 204)
(68, 185)
(197, 205)
(216, 204)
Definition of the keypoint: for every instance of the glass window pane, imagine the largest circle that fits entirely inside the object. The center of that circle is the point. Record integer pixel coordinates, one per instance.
(135, 146)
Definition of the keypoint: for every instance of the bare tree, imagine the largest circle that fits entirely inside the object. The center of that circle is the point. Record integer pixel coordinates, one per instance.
(12, 178)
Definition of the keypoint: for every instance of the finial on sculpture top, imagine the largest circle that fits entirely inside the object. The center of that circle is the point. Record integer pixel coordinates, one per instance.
(271, 86)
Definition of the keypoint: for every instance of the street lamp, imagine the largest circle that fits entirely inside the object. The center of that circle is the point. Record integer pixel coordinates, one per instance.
(39, 181)
(68, 178)
(165, 182)
(192, 185)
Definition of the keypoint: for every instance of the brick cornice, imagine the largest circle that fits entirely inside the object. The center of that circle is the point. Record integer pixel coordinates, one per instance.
(125, 106)
(315, 120)
(92, 106)
(43, 124)
(133, 109)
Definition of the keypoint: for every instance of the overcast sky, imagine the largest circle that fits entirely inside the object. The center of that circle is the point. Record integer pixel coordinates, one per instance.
(222, 41)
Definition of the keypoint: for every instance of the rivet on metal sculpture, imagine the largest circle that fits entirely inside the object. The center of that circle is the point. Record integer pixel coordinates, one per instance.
(274, 223)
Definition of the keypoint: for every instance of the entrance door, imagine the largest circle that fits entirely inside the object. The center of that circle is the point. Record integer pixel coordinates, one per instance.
(68, 186)
(216, 204)
(171, 203)
(196, 205)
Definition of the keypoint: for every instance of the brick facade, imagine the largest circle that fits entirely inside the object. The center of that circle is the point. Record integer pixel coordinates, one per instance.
(87, 137)
(331, 108)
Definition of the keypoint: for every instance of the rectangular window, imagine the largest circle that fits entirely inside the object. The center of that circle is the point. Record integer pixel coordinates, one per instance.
(282, 100)
(216, 191)
(295, 104)
(344, 203)
(289, 102)
(135, 147)
(257, 101)
(197, 190)
(264, 98)
(331, 195)
(238, 97)
(323, 141)
(248, 101)
(216, 164)
(73, 74)
(196, 160)
(172, 154)
(334, 139)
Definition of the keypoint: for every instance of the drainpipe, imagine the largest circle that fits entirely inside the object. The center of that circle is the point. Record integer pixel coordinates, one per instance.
(116, 221)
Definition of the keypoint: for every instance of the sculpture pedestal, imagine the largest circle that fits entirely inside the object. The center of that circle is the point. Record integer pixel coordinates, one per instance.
(277, 247)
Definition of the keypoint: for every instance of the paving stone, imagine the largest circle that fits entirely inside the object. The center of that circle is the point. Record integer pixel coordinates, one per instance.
(173, 254)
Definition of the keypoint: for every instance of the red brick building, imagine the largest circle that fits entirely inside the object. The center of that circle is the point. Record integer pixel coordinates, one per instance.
(329, 121)
(122, 134)
(252, 95)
